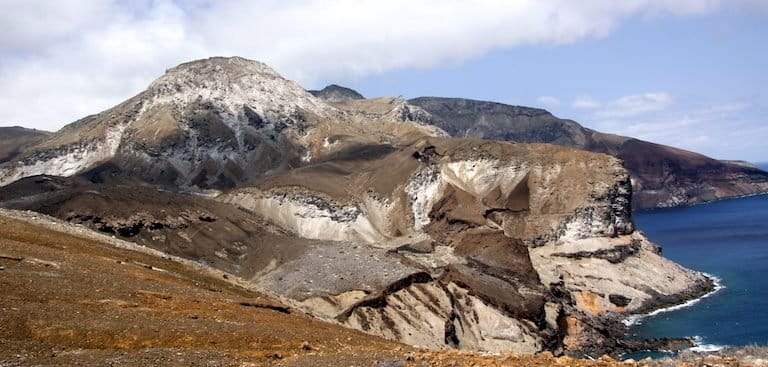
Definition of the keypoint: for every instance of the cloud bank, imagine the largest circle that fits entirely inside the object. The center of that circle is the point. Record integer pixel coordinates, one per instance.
(709, 127)
(636, 104)
(61, 60)
(548, 101)
(585, 102)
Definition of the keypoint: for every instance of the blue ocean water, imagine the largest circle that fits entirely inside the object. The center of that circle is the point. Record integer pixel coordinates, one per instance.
(728, 239)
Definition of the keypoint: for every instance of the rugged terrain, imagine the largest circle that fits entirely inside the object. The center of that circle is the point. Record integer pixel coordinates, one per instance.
(662, 176)
(361, 212)
(74, 297)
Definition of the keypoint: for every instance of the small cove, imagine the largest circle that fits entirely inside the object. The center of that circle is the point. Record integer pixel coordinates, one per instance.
(729, 240)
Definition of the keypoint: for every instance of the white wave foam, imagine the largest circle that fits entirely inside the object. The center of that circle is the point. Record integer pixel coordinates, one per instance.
(637, 319)
(699, 347)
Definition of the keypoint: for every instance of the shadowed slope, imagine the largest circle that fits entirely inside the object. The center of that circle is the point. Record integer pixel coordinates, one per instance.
(14, 140)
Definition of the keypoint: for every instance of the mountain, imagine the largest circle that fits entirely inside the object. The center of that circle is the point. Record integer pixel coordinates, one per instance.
(662, 176)
(14, 139)
(204, 125)
(361, 212)
(336, 93)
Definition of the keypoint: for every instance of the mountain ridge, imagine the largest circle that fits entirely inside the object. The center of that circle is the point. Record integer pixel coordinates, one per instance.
(664, 176)
(15, 139)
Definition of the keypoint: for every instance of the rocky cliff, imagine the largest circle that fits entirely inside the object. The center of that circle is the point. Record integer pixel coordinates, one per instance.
(662, 176)
(361, 212)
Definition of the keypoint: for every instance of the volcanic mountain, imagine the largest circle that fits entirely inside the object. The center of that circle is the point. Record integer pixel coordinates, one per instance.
(360, 212)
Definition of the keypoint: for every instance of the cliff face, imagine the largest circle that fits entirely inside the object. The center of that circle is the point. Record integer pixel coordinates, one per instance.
(361, 212)
(662, 176)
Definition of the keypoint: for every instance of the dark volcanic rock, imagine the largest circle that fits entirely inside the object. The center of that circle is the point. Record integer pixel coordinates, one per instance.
(614, 255)
(619, 300)
(188, 226)
(14, 139)
(336, 93)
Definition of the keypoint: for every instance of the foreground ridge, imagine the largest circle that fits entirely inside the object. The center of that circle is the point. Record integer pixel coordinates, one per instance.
(188, 316)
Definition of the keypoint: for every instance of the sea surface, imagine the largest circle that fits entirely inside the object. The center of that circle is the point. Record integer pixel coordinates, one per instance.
(729, 240)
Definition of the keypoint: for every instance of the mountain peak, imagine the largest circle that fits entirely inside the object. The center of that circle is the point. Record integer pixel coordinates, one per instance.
(219, 66)
(336, 93)
(232, 82)
(194, 123)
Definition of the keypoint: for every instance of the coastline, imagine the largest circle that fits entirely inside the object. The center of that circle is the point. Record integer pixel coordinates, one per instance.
(761, 193)
(666, 346)
(637, 319)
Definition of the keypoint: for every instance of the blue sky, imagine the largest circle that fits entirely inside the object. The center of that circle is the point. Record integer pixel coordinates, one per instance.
(712, 70)
(689, 73)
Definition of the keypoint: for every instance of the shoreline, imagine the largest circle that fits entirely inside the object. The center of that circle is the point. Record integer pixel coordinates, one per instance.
(705, 348)
(697, 341)
(637, 319)
(701, 203)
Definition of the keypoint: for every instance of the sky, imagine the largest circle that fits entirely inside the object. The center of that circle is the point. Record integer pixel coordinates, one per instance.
(688, 73)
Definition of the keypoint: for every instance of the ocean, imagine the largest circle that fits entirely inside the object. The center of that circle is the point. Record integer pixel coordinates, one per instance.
(729, 240)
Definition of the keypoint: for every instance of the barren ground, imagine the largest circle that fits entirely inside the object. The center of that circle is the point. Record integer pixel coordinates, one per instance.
(69, 300)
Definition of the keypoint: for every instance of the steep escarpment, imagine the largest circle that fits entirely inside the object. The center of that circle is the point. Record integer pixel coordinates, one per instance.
(662, 176)
(360, 212)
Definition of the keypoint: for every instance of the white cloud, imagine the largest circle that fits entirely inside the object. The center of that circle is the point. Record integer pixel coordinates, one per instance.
(689, 120)
(636, 104)
(585, 102)
(31, 25)
(707, 127)
(548, 101)
(60, 60)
